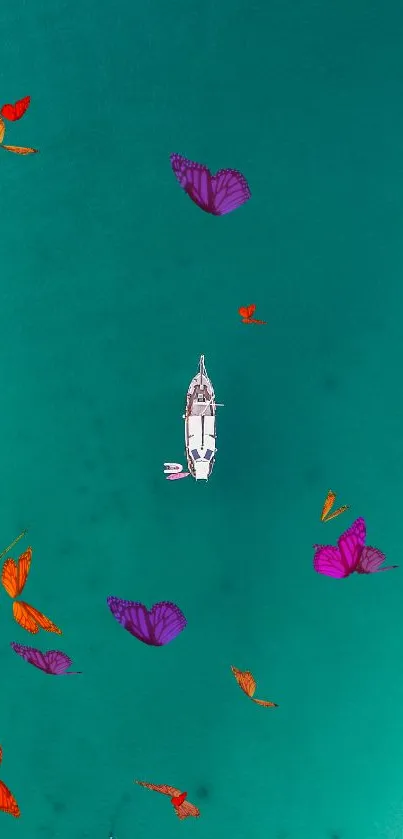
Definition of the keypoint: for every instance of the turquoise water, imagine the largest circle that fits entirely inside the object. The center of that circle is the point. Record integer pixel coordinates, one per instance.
(112, 285)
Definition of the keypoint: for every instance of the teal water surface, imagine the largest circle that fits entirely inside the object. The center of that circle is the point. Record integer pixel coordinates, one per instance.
(112, 285)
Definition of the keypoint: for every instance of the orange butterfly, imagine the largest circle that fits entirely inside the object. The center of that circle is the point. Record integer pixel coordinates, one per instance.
(330, 499)
(13, 578)
(8, 803)
(247, 683)
(246, 313)
(183, 808)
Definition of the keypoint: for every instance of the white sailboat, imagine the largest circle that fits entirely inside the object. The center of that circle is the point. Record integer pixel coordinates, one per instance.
(200, 425)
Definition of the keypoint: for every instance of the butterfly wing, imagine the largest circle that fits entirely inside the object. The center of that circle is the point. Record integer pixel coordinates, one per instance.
(31, 655)
(195, 179)
(329, 501)
(229, 190)
(327, 560)
(186, 809)
(9, 577)
(19, 149)
(245, 681)
(350, 544)
(14, 574)
(264, 703)
(167, 622)
(163, 788)
(133, 617)
(23, 566)
(22, 106)
(371, 560)
(8, 803)
(177, 800)
(31, 619)
(57, 662)
(337, 512)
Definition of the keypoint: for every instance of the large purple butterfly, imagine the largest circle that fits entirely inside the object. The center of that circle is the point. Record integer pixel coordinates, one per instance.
(53, 662)
(156, 626)
(216, 194)
(350, 556)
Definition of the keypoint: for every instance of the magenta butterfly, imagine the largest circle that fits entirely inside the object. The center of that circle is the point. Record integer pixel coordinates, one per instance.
(216, 194)
(53, 662)
(156, 626)
(350, 556)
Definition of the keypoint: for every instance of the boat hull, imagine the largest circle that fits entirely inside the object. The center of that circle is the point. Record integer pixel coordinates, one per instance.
(200, 425)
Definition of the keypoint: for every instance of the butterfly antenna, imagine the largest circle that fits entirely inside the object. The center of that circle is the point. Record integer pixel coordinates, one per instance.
(9, 547)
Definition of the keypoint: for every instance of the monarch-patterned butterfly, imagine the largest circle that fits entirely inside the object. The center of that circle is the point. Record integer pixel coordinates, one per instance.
(13, 578)
(247, 683)
(182, 807)
(329, 501)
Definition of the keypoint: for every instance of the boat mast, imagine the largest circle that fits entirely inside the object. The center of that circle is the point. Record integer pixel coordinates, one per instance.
(201, 368)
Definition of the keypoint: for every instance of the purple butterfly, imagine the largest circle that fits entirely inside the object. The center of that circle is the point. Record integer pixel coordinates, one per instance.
(156, 627)
(53, 662)
(350, 556)
(216, 194)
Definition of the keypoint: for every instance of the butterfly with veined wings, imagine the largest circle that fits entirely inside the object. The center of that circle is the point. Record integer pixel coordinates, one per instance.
(183, 808)
(8, 803)
(329, 501)
(14, 576)
(53, 662)
(247, 683)
(13, 113)
(351, 555)
(217, 194)
(156, 626)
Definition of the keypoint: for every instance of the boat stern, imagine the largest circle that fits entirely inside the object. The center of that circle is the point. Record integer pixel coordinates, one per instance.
(202, 469)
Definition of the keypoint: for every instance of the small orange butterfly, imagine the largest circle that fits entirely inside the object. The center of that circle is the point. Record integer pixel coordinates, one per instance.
(8, 803)
(183, 808)
(247, 683)
(14, 576)
(330, 499)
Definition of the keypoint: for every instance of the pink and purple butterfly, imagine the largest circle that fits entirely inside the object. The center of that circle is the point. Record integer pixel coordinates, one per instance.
(351, 556)
(53, 662)
(217, 194)
(156, 626)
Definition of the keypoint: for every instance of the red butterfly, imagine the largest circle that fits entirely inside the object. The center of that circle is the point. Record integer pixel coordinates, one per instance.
(246, 313)
(14, 112)
(183, 808)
